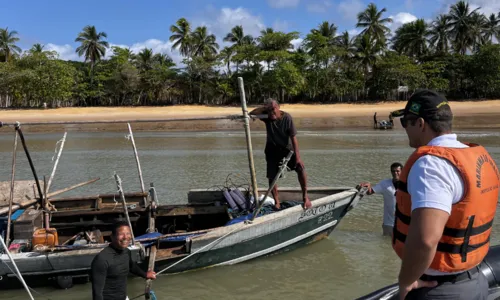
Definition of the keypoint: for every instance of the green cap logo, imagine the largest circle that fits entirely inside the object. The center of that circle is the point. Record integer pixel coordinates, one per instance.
(415, 108)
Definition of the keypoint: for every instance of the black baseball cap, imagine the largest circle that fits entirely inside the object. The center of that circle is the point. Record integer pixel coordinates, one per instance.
(424, 104)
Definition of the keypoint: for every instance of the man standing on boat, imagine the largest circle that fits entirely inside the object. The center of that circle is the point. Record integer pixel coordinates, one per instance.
(387, 188)
(281, 138)
(111, 267)
(445, 205)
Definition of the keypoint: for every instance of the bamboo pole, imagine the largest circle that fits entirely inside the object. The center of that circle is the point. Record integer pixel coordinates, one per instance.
(248, 139)
(12, 181)
(152, 253)
(49, 195)
(137, 160)
(45, 206)
(55, 164)
(19, 276)
(228, 117)
(122, 196)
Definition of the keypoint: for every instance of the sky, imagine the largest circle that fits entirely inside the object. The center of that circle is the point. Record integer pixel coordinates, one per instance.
(134, 24)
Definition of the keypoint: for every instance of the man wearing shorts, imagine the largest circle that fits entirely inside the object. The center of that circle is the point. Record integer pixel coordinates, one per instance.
(281, 138)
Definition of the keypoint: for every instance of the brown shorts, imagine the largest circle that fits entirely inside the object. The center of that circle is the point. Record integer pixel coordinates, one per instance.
(387, 230)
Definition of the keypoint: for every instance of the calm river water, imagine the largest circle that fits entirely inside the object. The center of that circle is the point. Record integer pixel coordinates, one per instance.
(353, 261)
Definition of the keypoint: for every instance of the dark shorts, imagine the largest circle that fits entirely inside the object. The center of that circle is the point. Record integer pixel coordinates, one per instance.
(273, 160)
(473, 287)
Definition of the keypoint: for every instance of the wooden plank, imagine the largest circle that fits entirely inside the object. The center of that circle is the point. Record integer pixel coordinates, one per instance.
(190, 210)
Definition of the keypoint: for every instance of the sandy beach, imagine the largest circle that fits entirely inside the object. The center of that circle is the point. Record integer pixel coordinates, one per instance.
(482, 114)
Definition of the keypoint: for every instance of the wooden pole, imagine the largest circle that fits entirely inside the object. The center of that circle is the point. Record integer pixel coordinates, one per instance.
(71, 188)
(55, 164)
(12, 181)
(248, 138)
(152, 253)
(137, 161)
(18, 129)
(122, 196)
(45, 206)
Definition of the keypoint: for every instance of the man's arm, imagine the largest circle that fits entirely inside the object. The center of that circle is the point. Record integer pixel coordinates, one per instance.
(425, 231)
(98, 270)
(134, 267)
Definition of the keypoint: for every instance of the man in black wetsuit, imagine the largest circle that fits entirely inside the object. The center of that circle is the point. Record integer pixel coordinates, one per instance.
(281, 138)
(112, 265)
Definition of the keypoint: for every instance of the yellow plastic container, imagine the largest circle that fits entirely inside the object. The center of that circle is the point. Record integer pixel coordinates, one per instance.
(45, 237)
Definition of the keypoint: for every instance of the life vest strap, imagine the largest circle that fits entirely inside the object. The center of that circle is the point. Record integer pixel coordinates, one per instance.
(444, 247)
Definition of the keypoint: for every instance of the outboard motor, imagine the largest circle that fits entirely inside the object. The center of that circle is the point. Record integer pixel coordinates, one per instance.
(490, 267)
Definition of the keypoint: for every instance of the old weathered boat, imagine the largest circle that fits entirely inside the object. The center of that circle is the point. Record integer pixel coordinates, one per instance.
(82, 227)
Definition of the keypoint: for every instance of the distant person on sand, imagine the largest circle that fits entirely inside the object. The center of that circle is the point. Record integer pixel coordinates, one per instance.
(387, 188)
(281, 138)
(375, 123)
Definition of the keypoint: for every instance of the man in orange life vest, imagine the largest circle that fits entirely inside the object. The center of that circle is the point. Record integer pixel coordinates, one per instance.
(445, 204)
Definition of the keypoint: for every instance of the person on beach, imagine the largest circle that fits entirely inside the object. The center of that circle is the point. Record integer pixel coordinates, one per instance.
(387, 188)
(375, 123)
(446, 201)
(281, 138)
(111, 267)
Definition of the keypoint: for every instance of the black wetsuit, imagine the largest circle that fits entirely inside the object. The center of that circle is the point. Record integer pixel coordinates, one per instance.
(109, 272)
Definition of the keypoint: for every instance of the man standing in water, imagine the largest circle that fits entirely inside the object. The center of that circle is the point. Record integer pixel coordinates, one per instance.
(387, 188)
(110, 268)
(281, 138)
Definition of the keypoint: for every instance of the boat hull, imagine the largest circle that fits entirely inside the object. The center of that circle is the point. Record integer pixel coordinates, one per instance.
(310, 226)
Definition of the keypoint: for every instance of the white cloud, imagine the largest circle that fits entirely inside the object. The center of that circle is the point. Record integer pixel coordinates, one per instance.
(400, 19)
(353, 32)
(283, 3)
(296, 43)
(65, 52)
(280, 25)
(350, 9)
(319, 6)
(487, 7)
(222, 21)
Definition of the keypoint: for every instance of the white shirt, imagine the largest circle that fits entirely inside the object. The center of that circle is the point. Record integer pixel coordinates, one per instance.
(434, 182)
(387, 189)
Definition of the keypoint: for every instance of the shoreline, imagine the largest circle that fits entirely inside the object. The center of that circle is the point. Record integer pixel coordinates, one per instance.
(483, 114)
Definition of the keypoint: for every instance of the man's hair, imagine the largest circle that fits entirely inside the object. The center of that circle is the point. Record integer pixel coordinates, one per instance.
(444, 122)
(396, 165)
(117, 225)
(271, 101)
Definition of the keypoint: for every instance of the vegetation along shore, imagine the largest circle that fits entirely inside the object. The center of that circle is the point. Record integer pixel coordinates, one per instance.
(456, 53)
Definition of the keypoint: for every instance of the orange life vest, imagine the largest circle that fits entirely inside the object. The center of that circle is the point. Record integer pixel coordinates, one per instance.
(466, 236)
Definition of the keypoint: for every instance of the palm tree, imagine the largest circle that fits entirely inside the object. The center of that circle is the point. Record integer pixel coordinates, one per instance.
(8, 41)
(181, 36)
(460, 23)
(93, 47)
(492, 28)
(204, 44)
(367, 53)
(145, 59)
(226, 55)
(439, 33)
(371, 20)
(346, 48)
(329, 31)
(238, 37)
(411, 39)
